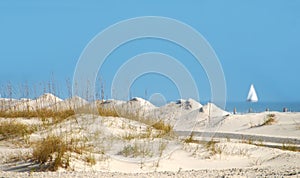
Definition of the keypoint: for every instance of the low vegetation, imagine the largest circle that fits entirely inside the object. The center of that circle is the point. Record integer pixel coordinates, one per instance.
(270, 119)
(43, 114)
(91, 159)
(107, 112)
(148, 134)
(162, 126)
(191, 139)
(137, 150)
(12, 129)
(211, 146)
(52, 151)
(289, 147)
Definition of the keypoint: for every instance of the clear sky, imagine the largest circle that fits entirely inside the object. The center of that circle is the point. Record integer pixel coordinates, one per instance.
(257, 42)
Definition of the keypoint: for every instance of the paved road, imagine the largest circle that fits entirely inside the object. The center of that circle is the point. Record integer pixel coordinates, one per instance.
(242, 136)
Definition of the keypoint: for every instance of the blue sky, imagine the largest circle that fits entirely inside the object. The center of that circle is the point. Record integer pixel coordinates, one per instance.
(256, 42)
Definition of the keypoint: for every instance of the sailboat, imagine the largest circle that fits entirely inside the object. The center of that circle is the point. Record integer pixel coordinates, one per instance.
(252, 96)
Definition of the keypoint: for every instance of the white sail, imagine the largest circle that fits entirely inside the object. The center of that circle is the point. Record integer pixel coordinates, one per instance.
(252, 96)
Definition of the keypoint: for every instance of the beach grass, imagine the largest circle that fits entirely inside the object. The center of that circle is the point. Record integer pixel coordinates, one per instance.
(270, 119)
(12, 129)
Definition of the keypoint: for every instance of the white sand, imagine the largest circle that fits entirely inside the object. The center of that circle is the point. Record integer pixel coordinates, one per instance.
(70, 103)
(110, 135)
(44, 101)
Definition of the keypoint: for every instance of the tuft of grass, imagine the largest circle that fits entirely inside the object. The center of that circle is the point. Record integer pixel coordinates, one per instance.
(107, 112)
(289, 147)
(11, 129)
(147, 134)
(191, 139)
(62, 115)
(250, 141)
(135, 151)
(211, 146)
(129, 136)
(90, 159)
(162, 126)
(52, 149)
(269, 120)
(53, 152)
(129, 150)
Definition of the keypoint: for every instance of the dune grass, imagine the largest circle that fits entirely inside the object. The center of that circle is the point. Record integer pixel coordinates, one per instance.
(211, 146)
(289, 147)
(90, 159)
(40, 113)
(270, 119)
(136, 150)
(12, 129)
(107, 112)
(162, 126)
(53, 152)
(191, 139)
(43, 114)
(43, 152)
(158, 125)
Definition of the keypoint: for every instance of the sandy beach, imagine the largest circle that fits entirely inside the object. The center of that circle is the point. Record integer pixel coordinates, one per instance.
(137, 139)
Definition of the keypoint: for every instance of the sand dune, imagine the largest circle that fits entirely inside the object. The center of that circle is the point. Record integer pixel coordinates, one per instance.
(127, 145)
(44, 101)
(70, 103)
